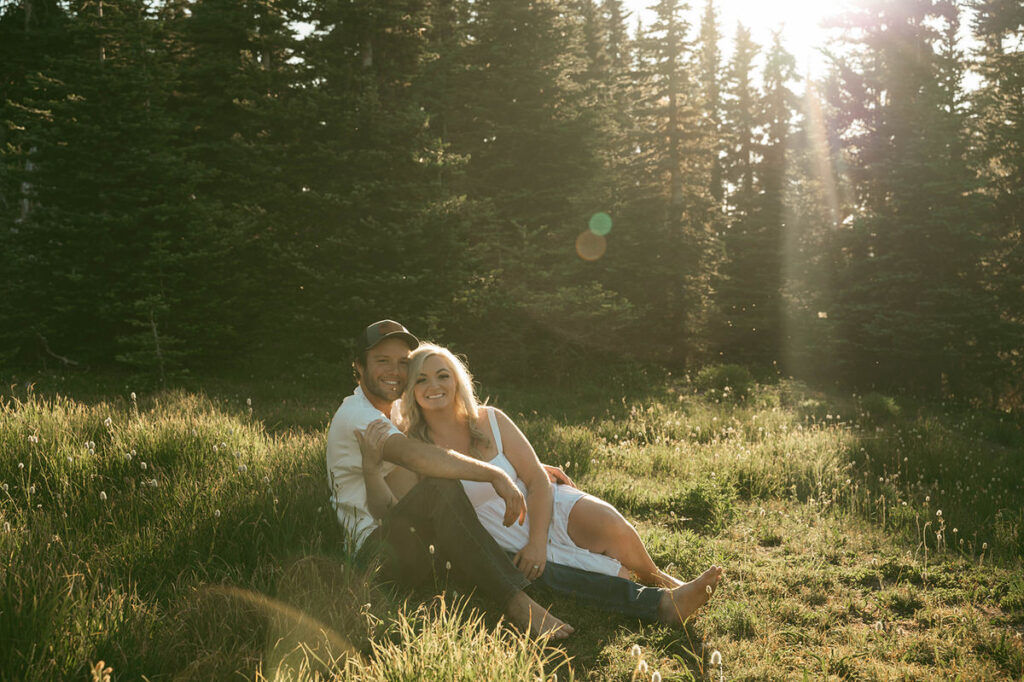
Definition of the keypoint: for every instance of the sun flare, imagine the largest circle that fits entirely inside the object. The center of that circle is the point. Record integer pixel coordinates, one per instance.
(798, 21)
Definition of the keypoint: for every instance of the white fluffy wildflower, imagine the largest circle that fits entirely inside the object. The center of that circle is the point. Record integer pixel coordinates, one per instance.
(103, 496)
(242, 468)
(716, 657)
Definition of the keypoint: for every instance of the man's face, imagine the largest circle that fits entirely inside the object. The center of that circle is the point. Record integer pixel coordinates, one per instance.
(386, 371)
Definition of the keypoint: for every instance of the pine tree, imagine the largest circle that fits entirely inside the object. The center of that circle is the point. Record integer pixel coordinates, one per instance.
(741, 130)
(670, 214)
(531, 108)
(618, 43)
(373, 225)
(998, 154)
(742, 121)
(108, 193)
(912, 308)
(709, 69)
(33, 35)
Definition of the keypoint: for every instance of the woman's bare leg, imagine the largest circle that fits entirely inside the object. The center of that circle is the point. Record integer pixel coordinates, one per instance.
(596, 525)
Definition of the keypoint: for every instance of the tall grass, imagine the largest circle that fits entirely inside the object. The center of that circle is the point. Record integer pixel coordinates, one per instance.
(177, 534)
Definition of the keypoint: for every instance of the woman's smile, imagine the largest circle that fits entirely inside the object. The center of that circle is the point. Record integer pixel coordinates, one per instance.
(435, 385)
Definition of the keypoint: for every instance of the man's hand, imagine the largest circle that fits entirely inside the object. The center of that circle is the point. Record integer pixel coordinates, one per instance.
(371, 442)
(557, 476)
(515, 503)
(531, 560)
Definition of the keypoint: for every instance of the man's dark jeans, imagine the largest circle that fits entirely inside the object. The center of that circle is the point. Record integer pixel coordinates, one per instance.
(437, 514)
(434, 527)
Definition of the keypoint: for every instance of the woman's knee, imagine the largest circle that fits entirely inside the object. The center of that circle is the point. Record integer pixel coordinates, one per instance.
(609, 526)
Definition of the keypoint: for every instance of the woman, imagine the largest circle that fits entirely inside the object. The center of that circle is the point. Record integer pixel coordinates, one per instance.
(563, 524)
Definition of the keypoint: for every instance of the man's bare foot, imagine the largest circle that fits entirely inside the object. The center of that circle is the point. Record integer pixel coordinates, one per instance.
(680, 603)
(526, 613)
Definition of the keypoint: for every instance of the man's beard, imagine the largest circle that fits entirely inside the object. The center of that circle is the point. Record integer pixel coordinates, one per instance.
(379, 390)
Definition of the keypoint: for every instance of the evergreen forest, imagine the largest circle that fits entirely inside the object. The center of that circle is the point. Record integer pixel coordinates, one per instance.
(550, 186)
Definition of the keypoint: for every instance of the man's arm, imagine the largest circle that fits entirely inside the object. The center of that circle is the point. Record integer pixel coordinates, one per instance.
(430, 460)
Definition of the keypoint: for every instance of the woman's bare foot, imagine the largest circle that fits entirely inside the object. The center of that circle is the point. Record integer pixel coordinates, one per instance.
(663, 579)
(657, 578)
(526, 613)
(680, 603)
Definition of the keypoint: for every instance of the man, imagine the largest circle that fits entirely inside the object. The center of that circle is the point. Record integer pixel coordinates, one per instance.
(433, 519)
(426, 527)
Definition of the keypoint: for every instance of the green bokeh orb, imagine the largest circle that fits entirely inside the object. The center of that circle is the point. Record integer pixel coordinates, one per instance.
(600, 224)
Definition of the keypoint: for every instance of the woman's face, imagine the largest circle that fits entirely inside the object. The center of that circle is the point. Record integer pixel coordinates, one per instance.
(434, 386)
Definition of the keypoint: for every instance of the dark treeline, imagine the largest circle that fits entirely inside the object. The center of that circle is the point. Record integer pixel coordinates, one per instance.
(544, 185)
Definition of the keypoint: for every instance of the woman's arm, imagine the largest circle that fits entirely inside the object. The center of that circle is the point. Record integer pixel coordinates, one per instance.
(531, 559)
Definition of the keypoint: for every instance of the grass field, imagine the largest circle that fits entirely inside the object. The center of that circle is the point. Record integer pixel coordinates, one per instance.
(186, 535)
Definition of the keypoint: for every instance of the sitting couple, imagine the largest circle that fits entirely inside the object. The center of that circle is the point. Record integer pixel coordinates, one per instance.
(459, 486)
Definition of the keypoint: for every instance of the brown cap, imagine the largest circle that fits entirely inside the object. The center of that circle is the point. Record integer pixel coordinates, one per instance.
(384, 329)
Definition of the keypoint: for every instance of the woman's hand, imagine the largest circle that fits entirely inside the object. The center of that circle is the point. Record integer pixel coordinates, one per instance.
(557, 476)
(515, 503)
(531, 560)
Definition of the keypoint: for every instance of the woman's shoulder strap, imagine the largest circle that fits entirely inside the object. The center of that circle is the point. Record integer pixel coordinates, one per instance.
(495, 431)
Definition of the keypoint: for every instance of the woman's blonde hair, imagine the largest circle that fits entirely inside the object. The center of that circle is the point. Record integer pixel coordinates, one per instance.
(466, 403)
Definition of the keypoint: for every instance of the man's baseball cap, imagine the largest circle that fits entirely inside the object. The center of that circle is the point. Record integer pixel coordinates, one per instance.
(384, 329)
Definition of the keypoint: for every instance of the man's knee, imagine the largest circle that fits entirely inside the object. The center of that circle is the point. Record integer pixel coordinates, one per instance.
(443, 487)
